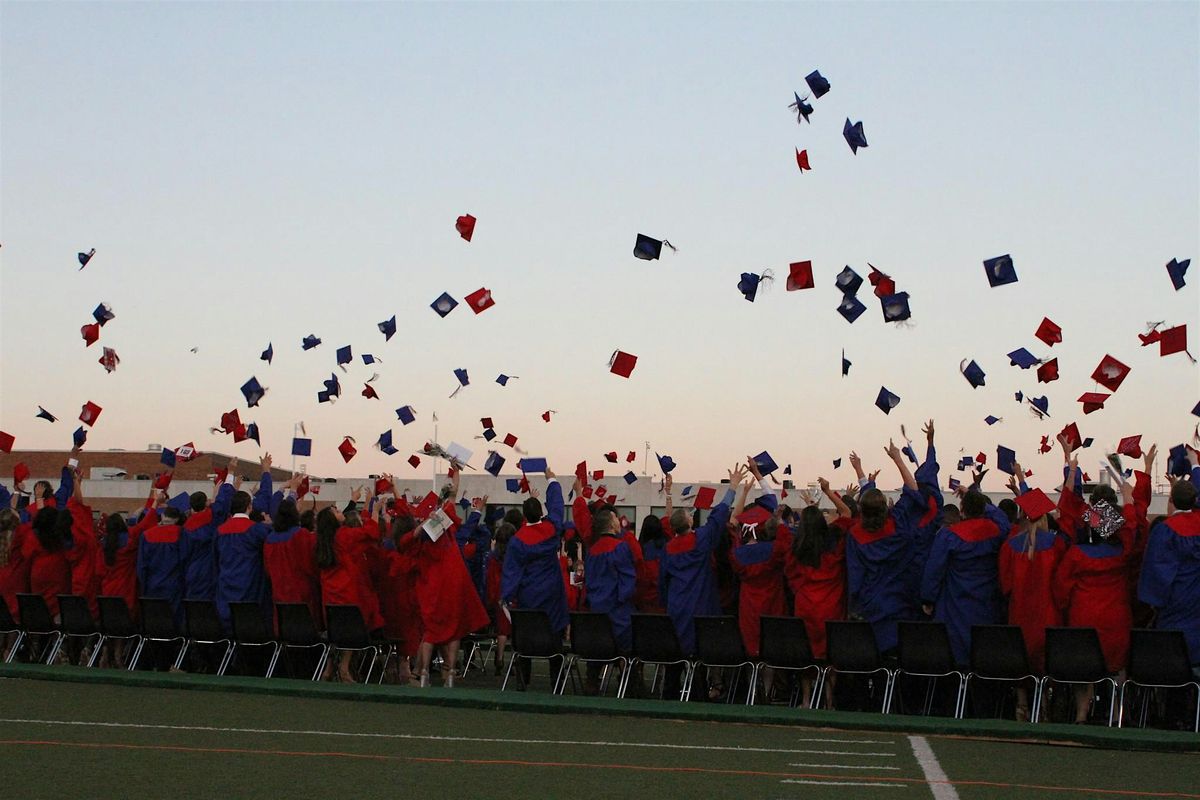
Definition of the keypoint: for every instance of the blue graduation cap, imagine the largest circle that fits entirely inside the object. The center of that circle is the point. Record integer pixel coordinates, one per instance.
(489, 434)
(344, 355)
(687, 490)
(990, 420)
(1176, 269)
(1000, 270)
(464, 503)
(837, 462)
(1041, 405)
(801, 108)
(385, 443)
(46, 415)
(405, 414)
(309, 342)
(630, 478)
(388, 328)
(787, 470)
(845, 364)
(886, 401)
(503, 379)
(649, 249)
(461, 374)
(253, 392)
(954, 484)
(301, 447)
(252, 433)
(909, 453)
(895, 307)
(84, 258)
(532, 465)
(1020, 396)
(818, 84)
(103, 314)
(965, 462)
(513, 484)
(494, 463)
(766, 465)
(1022, 358)
(1006, 459)
(79, 437)
(665, 463)
(369, 359)
(973, 373)
(854, 135)
(333, 389)
(1087, 442)
(851, 308)
(748, 285)
(1177, 462)
(444, 305)
(848, 280)
(181, 502)
(168, 458)
(268, 354)
(1195, 411)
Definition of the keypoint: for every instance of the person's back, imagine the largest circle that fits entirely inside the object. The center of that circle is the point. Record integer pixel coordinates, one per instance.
(612, 581)
(1028, 560)
(239, 546)
(289, 558)
(199, 542)
(532, 577)
(159, 561)
(878, 563)
(1170, 579)
(759, 566)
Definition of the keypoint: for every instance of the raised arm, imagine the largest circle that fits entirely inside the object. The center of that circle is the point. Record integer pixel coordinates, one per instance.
(667, 484)
(843, 510)
(262, 496)
(556, 510)
(905, 473)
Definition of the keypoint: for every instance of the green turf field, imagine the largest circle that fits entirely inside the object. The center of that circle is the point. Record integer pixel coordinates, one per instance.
(62, 739)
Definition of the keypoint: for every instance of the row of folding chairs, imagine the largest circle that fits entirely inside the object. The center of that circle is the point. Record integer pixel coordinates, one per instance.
(1159, 659)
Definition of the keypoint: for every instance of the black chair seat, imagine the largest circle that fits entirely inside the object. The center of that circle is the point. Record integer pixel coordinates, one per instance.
(534, 638)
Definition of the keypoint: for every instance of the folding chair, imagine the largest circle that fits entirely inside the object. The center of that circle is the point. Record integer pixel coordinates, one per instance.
(36, 620)
(1158, 659)
(250, 629)
(203, 626)
(9, 626)
(476, 644)
(656, 643)
(347, 631)
(853, 651)
(925, 652)
(1073, 657)
(593, 642)
(998, 654)
(158, 625)
(298, 631)
(116, 623)
(719, 646)
(77, 623)
(534, 639)
(784, 646)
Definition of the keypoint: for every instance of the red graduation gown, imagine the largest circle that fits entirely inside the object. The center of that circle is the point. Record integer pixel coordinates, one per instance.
(759, 568)
(1026, 580)
(820, 592)
(450, 606)
(289, 558)
(14, 573)
(348, 582)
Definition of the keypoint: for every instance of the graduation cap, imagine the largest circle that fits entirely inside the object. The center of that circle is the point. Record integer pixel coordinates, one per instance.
(344, 356)
(79, 437)
(1195, 411)
(252, 433)
(848, 281)
(845, 364)
(465, 225)
(240, 434)
(268, 354)
(1048, 371)
(168, 458)
(181, 502)
(649, 249)
(504, 379)
(965, 462)
(1131, 446)
(1045, 446)
(801, 108)
(665, 463)
(510, 440)
(883, 283)
(1110, 373)
(388, 328)
(84, 258)
(546, 415)
(1022, 358)
(230, 420)
(581, 472)
(369, 392)
(1177, 462)
(46, 415)
(89, 413)
(1173, 340)
(895, 307)
(384, 443)
(817, 83)
(333, 389)
(1041, 406)
(973, 373)
(765, 464)
(444, 304)
(748, 284)
(1048, 332)
(1035, 504)
(109, 359)
(630, 478)
(347, 449)
(837, 462)
(367, 358)
(990, 420)
(1000, 270)
(480, 300)
(597, 474)
(886, 401)
(1020, 396)
(406, 414)
(532, 465)
(704, 497)
(802, 159)
(301, 447)
(622, 363)
(611, 457)
(1177, 269)
(854, 135)
(1006, 460)
(90, 333)
(1092, 401)
(630, 456)
(163, 480)
(103, 314)
(489, 434)
(800, 276)
(7, 440)
(309, 342)
(253, 392)
(513, 485)
(851, 308)
(1071, 434)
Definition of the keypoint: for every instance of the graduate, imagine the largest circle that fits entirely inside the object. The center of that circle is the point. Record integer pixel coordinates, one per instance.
(611, 577)
(531, 576)
(760, 547)
(46, 553)
(926, 508)
(395, 583)
(239, 546)
(474, 540)
(14, 569)
(160, 560)
(120, 548)
(289, 558)
(343, 539)
(494, 570)
(199, 539)
(652, 541)
(83, 552)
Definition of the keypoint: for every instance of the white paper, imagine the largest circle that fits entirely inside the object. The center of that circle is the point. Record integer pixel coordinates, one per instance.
(436, 525)
(459, 453)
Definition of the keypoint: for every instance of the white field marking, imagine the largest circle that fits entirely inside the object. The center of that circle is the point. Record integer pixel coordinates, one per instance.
(935, 776)
(413, 736)
(843, 766)
(845, 783)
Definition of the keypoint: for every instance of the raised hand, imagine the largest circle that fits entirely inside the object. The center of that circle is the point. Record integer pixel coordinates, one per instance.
(824, 484)
(737, 475)
(928, 431)
(873, 476)
(668, 482)
(550, 474)
(355, 494)
(753, 468)
(891, 449)
(856, 462)
(1148, 459)
(265, 463)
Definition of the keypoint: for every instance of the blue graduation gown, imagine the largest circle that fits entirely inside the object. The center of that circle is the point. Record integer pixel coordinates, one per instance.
(1170, 579)
(687, 582)
(532, 577)
(611, 583)
(474, 532)
(878, 585)
(240, 575)
(924, 508)
(160, 565)
(199, 546)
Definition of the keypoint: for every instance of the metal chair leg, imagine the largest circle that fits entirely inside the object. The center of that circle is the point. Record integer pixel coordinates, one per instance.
(508, 672)
(321, 659)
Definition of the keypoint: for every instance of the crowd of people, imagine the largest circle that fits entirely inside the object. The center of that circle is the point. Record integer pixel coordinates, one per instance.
(424, 573)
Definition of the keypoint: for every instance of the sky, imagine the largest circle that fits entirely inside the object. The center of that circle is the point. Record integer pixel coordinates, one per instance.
(253, 173)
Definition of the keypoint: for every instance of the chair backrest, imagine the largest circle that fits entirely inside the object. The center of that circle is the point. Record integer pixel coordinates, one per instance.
(532, 634)
(76, 616)
(719, 641)
(783, 642)
(1074, 655)
(592, 636)
(924, 648)
(655, 640)
(115, 619)
(7, 623)
(296, 625)
(203, 622)
(158, 618)
(1158, 657)
(998, 651)
(249, 624)
(35, 614)
(852, 646)
(346, 626)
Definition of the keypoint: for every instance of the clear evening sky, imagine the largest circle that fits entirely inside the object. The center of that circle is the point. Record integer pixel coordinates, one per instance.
(252, 173)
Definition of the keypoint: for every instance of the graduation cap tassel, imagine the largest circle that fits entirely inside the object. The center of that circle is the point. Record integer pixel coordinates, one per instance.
(674, 249)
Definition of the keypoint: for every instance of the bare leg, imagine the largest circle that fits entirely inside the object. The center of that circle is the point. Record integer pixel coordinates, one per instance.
(498, 658)
(424, 657)
(827, 692)
(450, 657)
(1083, 699)
(344, 674)
(768, 683)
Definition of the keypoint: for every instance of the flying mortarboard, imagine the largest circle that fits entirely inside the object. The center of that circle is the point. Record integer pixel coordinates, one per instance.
(665, 463)
(7, 440)
(168, 457)
(84, 258)
(990, 420)
(1045, 446)
(704, 497)
(854, 135)
(973, 373)
(649, 249)
(510, 440)
(748, 284)
(384, 443)
(1195, 411)
(89, 413)
(886, 401)
(630, 456)
(332, 391)
(546, 415)
(1020, 396)
(444, 304)
(513, 485)
(465, 225)
(895, 307)
(1000, 270)
(489, 434)
(845, 364)
(817, 83)
(532, 465)
(388, 328)
(981, 458)
(1131, 446)
(802, 160)
(1071, 434)
(1048, 332)
(494, 463)
(252, 433)
(597, 474)
(79, 437)
(229, 421)
(1048, 371)
(1177, 269)
(103, 314)
(1177, 462)
(1035, 504)
(301, 447)
(837, 462)
(1110, 373)
(109, 359)
(253, 392)
(1022, 358)
(268, 354)
(344, 356)
(369, 392)
(883, 283)
(622, 363)
(1041, 405)
(581, 472)
(309, 342)
(766, 465)
(965, 462)
(163, 480)
(241, 433)
(630, 477)
(414, 461)
(611, 457)
(1092, 401)
(851, 308)
(800, 276)
(347, 449)
(90, 333)
(848, 281)
(406, 414)
(480, 300)
(801, 108)
(1174, 340)
(1006, 460)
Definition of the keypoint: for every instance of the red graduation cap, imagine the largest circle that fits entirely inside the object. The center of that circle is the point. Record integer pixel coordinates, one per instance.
(802, 159)
(800, 276)
(1173, 340)
(486, 422)
(230, 421)
(545, 416)
(480, 300)
(611, 456)
(426, 507)
(981, 458)
(241, 433)
(587, 492)
(1151, 337)
(622, 363)
(630, 456)
(1048, 332)
(1035, 503)
(704, 497)
(1110, 373)
(163, 480)
(465, 225)
(1093, 401)
(1071, 434)
(1045, 446)
(598, 475)
(382, 486)
(90, 333)
(414, 461)
(1131, 446)
(369, 392)
(347, 449)
(20, 472)
(581, 472)
(302, 489)
(89, 413)
(109, 359)
(220, 474)
(1048, 371)
(510, 440)
(883, 283)
(601, 492)
(754, 515)
(7, 440)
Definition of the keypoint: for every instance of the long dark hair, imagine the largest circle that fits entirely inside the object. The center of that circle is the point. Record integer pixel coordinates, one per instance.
(814, 536)
(47, 529)
(8, 523)
(874, 509)
(114, 526)
(327, 528)
(652, 531)
(504, 532)
(287, 516)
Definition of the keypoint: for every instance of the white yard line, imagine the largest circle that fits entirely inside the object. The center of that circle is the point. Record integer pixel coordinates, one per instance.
(845, 783)
(844, 766)
(935, 776)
